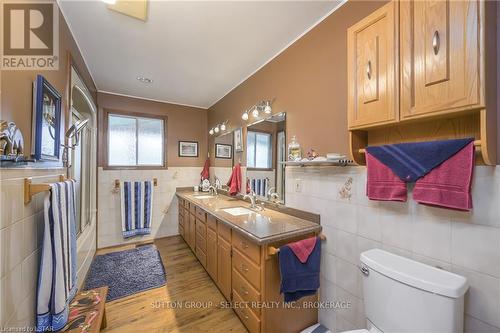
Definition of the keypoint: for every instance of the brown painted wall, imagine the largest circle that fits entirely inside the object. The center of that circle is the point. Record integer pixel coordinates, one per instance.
(308, 81)
(184, 123)
(17, 89)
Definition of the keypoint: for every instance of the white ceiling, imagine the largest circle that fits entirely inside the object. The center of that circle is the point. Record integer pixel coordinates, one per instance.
(194, 51)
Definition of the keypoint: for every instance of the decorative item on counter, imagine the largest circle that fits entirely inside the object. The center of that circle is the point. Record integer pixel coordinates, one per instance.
(311, 154)
(46, 122)
(11, 142)
(205, 184)
(294, 150)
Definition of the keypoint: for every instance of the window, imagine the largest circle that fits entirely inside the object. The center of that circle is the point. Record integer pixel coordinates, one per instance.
(259, 152)
(136, 141)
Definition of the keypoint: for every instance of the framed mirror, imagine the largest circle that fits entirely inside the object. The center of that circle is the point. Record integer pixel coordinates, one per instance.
(223, 157)
(265, 150)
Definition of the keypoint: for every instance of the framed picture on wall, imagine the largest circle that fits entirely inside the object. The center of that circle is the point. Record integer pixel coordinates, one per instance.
(46, 123)
(223, 151)
(188, 149)
(238, 140)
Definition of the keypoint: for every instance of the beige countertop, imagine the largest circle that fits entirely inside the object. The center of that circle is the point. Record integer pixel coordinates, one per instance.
(263, 227)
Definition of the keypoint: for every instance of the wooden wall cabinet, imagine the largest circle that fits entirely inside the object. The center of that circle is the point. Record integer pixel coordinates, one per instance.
(443, 53)
(373, 69)
(440, 62)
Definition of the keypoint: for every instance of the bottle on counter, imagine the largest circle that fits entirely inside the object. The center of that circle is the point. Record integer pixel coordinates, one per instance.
(294, 150)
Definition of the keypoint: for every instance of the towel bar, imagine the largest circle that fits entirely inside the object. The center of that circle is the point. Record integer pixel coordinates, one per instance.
(477, 143)
(117, 184)
(31, 189)
(271, 250)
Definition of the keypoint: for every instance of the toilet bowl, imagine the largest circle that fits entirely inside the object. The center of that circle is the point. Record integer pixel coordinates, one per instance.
(403, 295)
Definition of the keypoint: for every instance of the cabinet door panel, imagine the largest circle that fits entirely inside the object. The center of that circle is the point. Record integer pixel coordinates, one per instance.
(440, 60)
(372, 69)
(212, 253)
(224, 267)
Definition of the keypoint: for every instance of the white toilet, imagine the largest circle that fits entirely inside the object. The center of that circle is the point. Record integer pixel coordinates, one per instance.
(402, 295)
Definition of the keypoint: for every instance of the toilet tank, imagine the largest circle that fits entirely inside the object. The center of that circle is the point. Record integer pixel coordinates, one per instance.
(403, 295)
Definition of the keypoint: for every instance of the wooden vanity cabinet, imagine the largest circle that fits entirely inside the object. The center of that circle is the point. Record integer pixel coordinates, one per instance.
(224, 266)
(373, 69)
(440, 62)
(181, 218)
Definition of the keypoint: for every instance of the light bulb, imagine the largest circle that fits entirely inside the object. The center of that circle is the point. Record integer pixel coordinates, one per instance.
(216, 129)
(223, 127)
(267, 108)
(109, 2)
(245, 115)
(255, 113)
(211, 132)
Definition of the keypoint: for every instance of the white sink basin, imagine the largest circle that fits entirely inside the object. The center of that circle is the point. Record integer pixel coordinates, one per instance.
(203, 196)
(236, 211)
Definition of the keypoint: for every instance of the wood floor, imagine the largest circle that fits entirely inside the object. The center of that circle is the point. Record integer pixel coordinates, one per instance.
(187, 282)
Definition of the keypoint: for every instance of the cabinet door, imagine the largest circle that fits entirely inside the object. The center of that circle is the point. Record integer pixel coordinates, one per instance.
(224, 267)
(440, 64)
(192, 231)
(212, 253)
(372, 69)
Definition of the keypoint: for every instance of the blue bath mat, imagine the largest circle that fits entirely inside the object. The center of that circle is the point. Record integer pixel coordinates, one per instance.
(127, 272)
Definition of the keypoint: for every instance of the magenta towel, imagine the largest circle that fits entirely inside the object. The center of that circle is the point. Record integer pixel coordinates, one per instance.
(382, 183)
(449, 184)
(303, 248)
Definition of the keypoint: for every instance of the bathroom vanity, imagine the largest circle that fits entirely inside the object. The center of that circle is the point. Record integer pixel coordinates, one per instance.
(234, 244)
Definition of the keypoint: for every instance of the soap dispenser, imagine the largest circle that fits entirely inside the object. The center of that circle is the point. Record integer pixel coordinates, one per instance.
(294, 150)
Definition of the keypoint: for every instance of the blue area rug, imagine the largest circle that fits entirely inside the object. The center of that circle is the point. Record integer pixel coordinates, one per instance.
(127, 272)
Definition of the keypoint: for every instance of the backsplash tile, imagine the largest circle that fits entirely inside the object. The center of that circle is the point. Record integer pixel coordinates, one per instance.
(465, 243)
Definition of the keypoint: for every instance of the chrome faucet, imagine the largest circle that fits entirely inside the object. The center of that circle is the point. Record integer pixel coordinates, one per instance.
(272, 195)
(253, 197)
(212, 190)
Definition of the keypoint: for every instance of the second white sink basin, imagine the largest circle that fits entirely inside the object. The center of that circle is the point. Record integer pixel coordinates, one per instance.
(236, 211)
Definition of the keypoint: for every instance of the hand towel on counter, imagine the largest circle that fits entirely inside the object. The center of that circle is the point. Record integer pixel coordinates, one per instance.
(443, 173)
(205, 173)
(449, 185)
(234, 182)
(57, 273)
(136, 207)
(299, 279)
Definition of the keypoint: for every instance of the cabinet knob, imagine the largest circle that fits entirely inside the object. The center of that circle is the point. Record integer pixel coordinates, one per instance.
(244, 268)
(369, 70)
(244, 291)
(244, 245)
(436, 42)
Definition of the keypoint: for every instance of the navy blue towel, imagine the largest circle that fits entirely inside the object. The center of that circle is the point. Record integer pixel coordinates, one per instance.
(298, 279)
(413, 160)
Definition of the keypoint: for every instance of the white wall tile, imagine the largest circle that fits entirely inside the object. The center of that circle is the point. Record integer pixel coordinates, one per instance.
(432, 237)
(12, 248)
(473, 325)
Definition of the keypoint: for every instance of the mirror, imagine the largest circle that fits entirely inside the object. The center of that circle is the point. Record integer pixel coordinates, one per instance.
(223, 158)
(265, 152)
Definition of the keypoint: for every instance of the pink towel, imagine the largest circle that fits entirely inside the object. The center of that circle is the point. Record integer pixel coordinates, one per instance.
(234, 182)
(303, 248)
(382, 183)
(449, 184)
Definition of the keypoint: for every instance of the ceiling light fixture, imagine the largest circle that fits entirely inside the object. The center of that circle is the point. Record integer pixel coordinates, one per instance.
(144, 79)
(267, 107)
(244, 116)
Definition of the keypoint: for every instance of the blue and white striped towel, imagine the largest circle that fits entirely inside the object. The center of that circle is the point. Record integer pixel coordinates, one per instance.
(57, 273)
(136, 208)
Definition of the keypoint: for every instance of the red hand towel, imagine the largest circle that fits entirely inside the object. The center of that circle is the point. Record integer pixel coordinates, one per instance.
(205, 173)
(303, 248)
(382, 183)
(449, 184)
(234, 182)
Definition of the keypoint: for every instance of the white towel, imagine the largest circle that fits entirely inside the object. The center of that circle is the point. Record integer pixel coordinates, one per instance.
(136, 208)
(57, 273)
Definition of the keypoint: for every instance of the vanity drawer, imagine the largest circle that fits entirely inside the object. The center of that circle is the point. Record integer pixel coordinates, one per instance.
(247, 247)
(201, 228)
(192, 208)
(211, 222)
(246, 291)
(249, 319)
(224, 231)
(201, 243)
(201, 214)
(181, 220)
(181, 209)
(200, 254)
(247, 269)
(186, 204)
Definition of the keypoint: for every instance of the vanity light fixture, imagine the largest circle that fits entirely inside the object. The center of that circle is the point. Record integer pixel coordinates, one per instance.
(267, 107)
(255, 112)
(223, 126)
(245, 115)
(216, 129)
(211, 132)
(144, 79)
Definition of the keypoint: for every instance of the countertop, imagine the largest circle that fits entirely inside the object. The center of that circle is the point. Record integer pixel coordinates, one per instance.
(263, 227)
